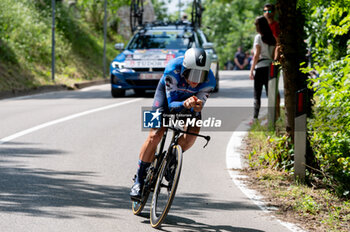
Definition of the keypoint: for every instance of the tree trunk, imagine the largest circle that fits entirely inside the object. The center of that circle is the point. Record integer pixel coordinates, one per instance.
(293, 51)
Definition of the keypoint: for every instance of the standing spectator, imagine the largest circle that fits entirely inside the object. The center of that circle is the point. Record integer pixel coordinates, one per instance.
(264, 48)
(269, 14)
(240, 61)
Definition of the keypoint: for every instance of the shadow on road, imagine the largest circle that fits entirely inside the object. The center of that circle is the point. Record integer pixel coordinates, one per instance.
(37, 192)
(195, 204)
(44, 192)
(186, 224)
(48, 193)
(25, 151)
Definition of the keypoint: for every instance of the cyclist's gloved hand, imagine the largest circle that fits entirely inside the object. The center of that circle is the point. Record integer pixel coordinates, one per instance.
(199, 106)
(190, 102)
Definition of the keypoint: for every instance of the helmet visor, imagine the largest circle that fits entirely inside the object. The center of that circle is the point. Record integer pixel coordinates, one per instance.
(196, 76)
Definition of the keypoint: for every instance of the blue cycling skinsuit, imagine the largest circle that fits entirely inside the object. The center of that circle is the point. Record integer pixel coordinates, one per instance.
(173, 90)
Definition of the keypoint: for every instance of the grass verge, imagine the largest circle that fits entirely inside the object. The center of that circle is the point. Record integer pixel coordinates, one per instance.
(25, 46)
(313, 207)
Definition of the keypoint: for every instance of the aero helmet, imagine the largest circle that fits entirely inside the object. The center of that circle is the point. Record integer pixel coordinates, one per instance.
(197, 65)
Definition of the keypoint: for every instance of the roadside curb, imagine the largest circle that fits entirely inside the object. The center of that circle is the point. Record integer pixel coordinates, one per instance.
(49, 88)
(235, 163)
(90, 83)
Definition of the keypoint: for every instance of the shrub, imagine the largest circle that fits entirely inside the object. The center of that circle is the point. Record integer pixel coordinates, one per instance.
(330, 126)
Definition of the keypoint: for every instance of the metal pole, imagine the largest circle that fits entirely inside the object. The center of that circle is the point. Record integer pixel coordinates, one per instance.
(300, 135)
(272, 96)
(104, 39)
(179, 9)
(53, 41)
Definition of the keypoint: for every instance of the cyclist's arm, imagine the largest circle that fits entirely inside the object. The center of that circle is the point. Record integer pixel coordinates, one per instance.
(172, 94)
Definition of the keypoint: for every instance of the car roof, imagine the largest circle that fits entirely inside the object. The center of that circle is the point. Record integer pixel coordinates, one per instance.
(161, 26)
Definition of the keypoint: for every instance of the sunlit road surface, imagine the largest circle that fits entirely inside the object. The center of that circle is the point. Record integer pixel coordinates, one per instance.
(67, 160)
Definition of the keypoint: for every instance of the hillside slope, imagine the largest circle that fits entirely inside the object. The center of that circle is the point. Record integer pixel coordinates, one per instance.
(25, 45)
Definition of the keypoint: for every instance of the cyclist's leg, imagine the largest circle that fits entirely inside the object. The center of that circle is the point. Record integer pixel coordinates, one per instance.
(186, 141)
(155, 135)
(147, 152)
(149, 147)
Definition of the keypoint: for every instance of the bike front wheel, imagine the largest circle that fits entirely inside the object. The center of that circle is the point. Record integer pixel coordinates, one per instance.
(137, 206)
(166, 186)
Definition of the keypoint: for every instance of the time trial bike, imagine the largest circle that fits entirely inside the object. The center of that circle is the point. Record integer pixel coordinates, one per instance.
(163, 177)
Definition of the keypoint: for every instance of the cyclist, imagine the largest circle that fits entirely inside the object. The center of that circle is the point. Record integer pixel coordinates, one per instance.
(186, 84)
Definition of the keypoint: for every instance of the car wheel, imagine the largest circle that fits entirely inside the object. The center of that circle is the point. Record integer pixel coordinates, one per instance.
(118, 92)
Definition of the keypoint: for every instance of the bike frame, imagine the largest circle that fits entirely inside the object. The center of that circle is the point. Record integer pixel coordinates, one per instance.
(152, 184)
(162, 154)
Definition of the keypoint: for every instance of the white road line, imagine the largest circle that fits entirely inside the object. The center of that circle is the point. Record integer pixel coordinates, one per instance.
(73, 116)
(234, 163)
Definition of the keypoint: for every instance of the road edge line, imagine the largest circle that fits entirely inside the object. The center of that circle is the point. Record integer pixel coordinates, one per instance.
(234, 164)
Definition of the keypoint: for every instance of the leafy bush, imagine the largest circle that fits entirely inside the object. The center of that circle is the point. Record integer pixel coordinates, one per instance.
(271, 149)
(230, 24)
(25, 43)
(329, 128)
(24, 30)
(277, 153)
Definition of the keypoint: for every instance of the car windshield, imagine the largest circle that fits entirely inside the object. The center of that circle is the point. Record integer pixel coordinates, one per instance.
(163, 40)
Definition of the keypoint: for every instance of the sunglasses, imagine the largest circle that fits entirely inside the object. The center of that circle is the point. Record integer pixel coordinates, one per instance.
(268, 11)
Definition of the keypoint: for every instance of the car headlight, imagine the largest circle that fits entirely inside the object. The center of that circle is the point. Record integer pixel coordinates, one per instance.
(119, 65)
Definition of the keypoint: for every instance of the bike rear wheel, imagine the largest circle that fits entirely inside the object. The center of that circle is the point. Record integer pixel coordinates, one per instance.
(137, 206)
(165, 189)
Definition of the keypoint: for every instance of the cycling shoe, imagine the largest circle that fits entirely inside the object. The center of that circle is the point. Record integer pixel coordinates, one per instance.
(135, 192)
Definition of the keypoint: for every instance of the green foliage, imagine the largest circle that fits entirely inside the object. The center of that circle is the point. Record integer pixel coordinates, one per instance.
(330, 126)
(316, 205)
(160, 9)
(230, 24)
(93, 11)
(25, 31)
(307, 205)
(277, 153)
(25, 43)
(328, 28)
(329, 35)
(271, 149)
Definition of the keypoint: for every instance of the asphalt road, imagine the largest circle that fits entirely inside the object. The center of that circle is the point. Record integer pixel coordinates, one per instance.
(67, 160)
